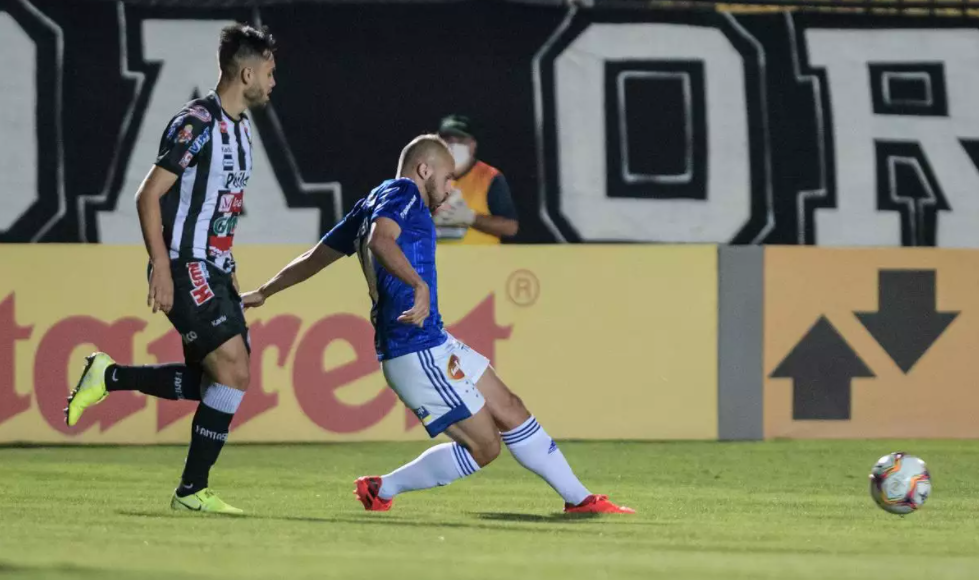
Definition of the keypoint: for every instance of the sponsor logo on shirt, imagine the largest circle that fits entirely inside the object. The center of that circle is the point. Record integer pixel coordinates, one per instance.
(231, 203)
(408, 207)
(173, 127)
(236, 180)
(198, 143)
(219, 246)
(226, 226)
(186, 159)
(186, 134)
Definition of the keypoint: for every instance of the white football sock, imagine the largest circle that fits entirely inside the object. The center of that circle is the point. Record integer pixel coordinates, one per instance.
(223, 398)
(439, 465)
(533, 448)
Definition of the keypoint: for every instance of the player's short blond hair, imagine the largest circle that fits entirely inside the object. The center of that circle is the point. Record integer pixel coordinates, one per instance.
(422, 148)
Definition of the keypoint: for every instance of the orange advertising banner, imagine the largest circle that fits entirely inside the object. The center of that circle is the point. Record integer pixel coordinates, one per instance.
(601, 342)
(871, 343)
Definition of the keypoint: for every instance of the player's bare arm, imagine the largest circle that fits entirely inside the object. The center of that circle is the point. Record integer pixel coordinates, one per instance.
(157, 182)
(303, 267)
(383, 244)
(494, 225)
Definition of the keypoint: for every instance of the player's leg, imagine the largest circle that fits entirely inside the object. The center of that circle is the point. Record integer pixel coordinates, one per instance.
(209, 316)
(444, 402)
(167, 381)
(534, 449)
(476, 443)
(102, 376)
(171, 381)
(527, 441)
(227, 367)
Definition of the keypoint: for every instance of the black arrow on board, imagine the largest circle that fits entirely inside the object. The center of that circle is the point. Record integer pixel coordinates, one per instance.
(906, 323)
(822, 366)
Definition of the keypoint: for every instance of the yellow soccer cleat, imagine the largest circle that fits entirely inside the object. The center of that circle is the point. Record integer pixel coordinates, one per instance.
(90, 389)
(203, 501)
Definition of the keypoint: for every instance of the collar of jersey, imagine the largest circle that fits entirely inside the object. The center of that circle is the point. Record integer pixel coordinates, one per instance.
(223, 112)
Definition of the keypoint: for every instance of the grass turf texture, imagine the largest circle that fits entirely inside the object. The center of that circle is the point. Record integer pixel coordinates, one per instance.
(707, 510)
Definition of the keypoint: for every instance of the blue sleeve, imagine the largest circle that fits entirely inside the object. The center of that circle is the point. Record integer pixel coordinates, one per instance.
(343, 236)
(395, 203)
(499, 200)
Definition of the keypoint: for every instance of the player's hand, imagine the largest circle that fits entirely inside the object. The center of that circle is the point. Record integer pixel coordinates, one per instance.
(252, 299)
(419, 311)
(160, 296)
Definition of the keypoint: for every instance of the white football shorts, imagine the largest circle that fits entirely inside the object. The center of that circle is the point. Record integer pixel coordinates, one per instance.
(438, 384)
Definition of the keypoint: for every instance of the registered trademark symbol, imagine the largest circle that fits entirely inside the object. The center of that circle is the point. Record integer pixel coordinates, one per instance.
(523, 288)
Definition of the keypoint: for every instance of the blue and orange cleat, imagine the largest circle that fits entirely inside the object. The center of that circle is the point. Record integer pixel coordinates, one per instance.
(597, 504)
(367, 490)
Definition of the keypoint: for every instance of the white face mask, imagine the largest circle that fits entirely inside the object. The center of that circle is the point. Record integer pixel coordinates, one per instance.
(460, 154)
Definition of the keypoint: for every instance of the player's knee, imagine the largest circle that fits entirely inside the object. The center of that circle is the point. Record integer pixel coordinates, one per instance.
(235, 375)
(516, 404)
(486, 451)
(242, 376)
(510, 412)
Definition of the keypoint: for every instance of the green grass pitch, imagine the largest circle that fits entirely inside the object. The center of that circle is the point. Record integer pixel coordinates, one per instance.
(774, 510)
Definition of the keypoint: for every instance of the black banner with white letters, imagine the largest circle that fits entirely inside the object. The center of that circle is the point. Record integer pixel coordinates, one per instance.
(635, 126)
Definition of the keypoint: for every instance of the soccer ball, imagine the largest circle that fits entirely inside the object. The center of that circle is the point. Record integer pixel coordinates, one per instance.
(900, 483)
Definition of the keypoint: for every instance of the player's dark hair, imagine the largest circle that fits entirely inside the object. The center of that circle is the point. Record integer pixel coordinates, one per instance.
(240, 42)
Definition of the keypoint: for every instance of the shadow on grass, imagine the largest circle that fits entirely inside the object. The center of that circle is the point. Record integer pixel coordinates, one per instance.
(368, 519)
(56, 571)
(62, 571)
(563, 518)
(560, 518)
(481, 521)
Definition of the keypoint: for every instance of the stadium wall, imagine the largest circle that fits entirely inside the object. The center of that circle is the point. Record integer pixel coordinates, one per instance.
(870, 343)
(588, 336)
(674, 126)
(602, 342)
(847, 343)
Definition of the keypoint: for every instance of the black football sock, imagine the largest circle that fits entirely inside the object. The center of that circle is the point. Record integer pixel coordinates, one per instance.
(212, 422)
(170, 381)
